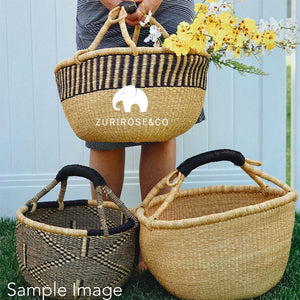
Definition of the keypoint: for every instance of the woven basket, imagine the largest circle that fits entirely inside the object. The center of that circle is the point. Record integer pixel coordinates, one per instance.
(131, 94)
(217, 242)
(60, 244)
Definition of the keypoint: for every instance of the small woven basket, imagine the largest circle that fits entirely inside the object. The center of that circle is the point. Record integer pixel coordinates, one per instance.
(131, 94)
(82, 246)
(217, 242)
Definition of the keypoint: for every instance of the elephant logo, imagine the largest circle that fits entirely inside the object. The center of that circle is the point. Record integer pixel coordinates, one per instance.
(130, 95)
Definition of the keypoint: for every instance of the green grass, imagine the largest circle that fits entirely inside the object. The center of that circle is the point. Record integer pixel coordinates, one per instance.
(142, 286)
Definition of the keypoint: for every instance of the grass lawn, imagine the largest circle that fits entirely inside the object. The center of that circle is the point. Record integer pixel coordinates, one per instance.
(142, 286)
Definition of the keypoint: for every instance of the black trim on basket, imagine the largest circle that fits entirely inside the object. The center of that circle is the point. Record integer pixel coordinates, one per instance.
(91, 74)
(90, 232)
(54, 204)
(104, 64)
(164, 69)
(97, 61)
(140, 64)
(81, 171)
(74, 85)
(156, 68)
(122, 228)
(192, 163)
(80, 79)
(70, 81)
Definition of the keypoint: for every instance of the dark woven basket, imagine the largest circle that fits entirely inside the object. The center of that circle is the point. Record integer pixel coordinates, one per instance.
(82, 245)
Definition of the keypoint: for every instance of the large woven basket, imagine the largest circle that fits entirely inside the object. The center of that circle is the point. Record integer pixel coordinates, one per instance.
(83, 246)
(131, 94)
(217, 242)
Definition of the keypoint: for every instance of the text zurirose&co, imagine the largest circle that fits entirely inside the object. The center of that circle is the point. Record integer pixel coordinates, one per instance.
(132, 122)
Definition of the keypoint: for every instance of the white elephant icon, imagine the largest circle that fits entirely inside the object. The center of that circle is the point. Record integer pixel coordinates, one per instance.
(130, 95)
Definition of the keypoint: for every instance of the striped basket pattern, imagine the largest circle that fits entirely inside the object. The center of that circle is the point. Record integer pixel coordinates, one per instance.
(144, 70)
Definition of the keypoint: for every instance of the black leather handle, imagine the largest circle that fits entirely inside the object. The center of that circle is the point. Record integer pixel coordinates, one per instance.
(212, 156)
(130, 6)
(81, 171)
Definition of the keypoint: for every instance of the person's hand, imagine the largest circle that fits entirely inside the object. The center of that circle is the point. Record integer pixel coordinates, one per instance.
(143, 8)
(110, 4)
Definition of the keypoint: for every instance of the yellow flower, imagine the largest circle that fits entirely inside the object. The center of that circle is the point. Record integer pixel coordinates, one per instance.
(237, 52)
(251, 25)
(227, 19)
(198, 43)
(256, 38)
(183, 31)
(220, 39)
(198, 24)
(200, 7)
(211, 25)
(177, 45)
(269, 39)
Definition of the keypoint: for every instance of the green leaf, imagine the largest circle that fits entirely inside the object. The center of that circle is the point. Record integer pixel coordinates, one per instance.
(242, 68)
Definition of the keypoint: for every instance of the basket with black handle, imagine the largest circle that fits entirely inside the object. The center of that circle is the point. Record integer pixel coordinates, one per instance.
(79, 245)
(131, 94)
(217, 242)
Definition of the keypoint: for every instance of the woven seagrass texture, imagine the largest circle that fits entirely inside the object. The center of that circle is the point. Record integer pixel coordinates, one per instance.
(219, 242)
(93, 119)
(70, 261)
(174, 86)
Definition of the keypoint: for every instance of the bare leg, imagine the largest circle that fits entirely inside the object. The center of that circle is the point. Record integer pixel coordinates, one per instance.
(110, 164)
(157, 161)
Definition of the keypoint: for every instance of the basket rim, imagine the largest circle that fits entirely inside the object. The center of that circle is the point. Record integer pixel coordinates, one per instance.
(283, 199)
(69, 231)
(121, 50)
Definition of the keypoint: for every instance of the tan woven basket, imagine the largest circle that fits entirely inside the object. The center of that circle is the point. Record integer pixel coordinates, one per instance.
(131, 94)
(82, 246)
(217, 242)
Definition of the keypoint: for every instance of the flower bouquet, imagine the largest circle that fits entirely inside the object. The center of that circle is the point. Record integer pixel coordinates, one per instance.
(216, 30)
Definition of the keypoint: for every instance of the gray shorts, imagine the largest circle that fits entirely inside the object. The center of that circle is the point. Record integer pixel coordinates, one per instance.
(91, 15)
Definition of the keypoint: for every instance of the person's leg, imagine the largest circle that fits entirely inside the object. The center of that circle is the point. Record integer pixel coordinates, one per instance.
(110, 164)
(157, 161)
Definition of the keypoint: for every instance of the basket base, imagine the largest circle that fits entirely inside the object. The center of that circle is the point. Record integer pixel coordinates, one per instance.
(171, 112)
(239, 258)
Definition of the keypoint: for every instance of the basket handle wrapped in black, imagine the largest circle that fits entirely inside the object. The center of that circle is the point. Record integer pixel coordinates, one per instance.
(176, 178)
(99, 185)
(118, 15)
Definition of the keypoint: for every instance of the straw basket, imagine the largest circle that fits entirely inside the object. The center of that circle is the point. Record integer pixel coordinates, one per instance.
(60, 244)
(217, 242)
(131, 94)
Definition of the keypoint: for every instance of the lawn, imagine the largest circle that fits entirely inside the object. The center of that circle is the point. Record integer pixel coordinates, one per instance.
(142, 286)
